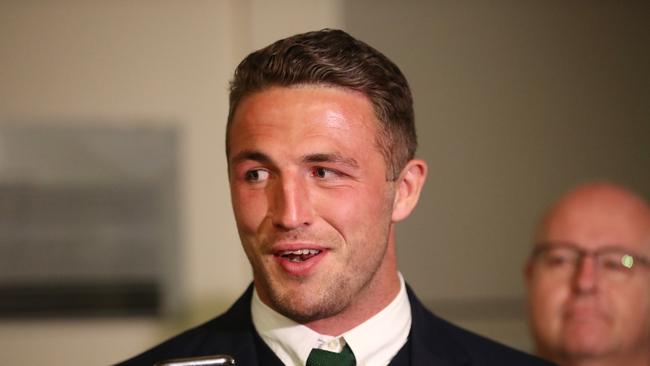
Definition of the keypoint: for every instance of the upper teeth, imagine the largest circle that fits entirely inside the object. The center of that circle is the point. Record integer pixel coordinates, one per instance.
(300, 252)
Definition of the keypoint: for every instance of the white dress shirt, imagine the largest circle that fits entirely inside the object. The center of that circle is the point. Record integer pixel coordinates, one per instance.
(374, 342)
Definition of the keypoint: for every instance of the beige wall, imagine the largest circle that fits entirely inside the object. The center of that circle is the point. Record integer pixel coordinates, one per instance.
(514, 104)
(142, 62)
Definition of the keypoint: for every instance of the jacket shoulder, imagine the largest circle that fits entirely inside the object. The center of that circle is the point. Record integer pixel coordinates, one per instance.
(484, 351)
(436, 338)
(230, 333)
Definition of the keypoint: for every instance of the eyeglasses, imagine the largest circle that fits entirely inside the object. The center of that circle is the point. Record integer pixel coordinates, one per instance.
(612, 262)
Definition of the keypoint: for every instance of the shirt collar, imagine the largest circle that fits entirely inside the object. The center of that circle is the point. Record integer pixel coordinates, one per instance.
(292, 341)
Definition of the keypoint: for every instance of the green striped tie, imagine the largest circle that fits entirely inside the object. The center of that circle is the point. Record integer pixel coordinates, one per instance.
(319, 357)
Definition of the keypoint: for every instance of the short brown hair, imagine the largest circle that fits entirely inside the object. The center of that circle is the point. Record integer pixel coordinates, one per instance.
(334, 58)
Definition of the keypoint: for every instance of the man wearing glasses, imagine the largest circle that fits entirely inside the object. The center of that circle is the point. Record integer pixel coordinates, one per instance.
(588, 279)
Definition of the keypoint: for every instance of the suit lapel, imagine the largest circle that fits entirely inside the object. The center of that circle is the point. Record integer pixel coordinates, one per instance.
(429, 340)
(236, 335)
(403, 357)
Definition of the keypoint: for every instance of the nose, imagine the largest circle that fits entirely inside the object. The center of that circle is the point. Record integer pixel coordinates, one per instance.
(289, 205)
(585, 278)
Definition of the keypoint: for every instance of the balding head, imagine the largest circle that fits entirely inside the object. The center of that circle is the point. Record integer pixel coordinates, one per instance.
(598, 211)
(586, 307)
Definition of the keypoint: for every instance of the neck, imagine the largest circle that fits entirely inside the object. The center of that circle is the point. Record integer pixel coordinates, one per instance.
(370, 300)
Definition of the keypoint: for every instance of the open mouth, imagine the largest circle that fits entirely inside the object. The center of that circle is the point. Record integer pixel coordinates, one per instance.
(299, 255)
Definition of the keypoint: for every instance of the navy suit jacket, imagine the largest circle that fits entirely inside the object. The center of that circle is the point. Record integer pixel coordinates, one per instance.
(432, 341)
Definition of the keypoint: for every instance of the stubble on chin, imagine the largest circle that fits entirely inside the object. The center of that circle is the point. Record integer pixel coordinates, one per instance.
(305, 301)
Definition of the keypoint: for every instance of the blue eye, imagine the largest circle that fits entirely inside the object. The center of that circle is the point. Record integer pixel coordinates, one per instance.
(257, 175)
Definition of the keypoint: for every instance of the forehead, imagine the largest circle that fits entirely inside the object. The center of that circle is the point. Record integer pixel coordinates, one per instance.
(599, 220)
(300, 115)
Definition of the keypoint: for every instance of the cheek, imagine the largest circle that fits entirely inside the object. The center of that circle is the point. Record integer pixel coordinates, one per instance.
(249, 208)
(631, 304)
(546, 303)
(352, 210)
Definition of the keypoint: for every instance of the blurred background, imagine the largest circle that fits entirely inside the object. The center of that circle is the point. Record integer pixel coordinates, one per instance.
(116, 228)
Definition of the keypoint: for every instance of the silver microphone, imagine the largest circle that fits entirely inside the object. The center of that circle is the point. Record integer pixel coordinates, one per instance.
(199, 361)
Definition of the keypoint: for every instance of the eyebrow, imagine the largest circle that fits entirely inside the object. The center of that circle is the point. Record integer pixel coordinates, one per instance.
(251, 155)
(331, 158)
(543, 245)
(261, 157)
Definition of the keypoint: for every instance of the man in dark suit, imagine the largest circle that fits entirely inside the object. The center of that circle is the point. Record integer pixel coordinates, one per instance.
(321, 161)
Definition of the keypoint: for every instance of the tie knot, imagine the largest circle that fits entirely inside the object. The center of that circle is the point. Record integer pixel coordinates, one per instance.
(319, 357)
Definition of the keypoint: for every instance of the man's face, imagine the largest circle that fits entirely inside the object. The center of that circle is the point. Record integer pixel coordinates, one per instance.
(311, 200)
(591, 312)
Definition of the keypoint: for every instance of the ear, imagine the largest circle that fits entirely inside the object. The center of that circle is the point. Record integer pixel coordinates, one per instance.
(407, 189)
